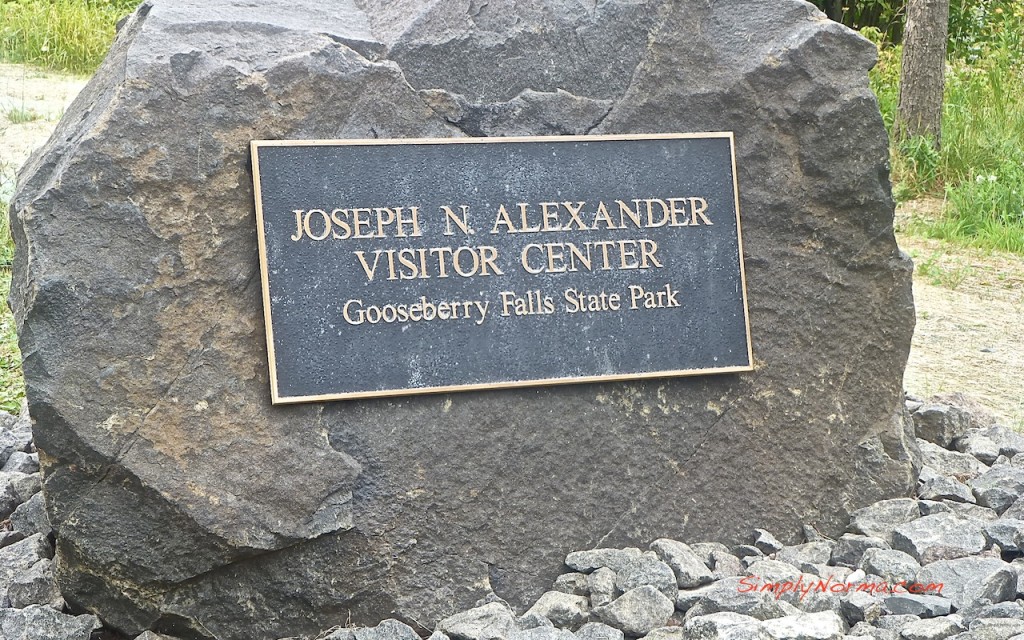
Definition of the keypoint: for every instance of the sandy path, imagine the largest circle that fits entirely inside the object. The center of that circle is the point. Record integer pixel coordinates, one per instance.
(35, 101)
(970, 304)
(970, 321)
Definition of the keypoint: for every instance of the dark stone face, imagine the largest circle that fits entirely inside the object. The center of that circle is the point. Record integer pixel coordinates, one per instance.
(418, 267)
(184, 501)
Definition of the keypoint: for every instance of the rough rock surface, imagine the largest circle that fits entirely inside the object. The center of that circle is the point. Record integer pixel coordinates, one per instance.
(140, 312)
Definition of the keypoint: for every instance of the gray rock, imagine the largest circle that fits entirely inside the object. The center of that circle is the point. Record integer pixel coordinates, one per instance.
(8, 538)
(922, 606)
(807, 626)
(689, 569)
(943, 536)
(1011, 610)
(30, 518)
(1010, 442)
(718, 625)
(737, 595)
(811, 534)
(838, 574)
(865, 630)
(632, 568)
(818, 552)
(43, 623)
(810, 594)
(986, 628)
(592, 559)
(149, 635)
(881, 518)
(13, 441)
(773, 571)
(931, 507)
(598, 631)
(892, 565)
(962, 466)
(666, 633)
(941, 423)
(165, 415)
(572, 583)
(15, 488)
(1007, 533)
(21, 462)
(947, 489)
(1017, 565)
(860, 607)
(637, 611)
(601, 585)
(18, 558)
(35, 586)
(563, 609)
(725, 565)
(999, 487)
(896, 622)
(973, 511)
(488, 622)
(933, 629)
(850, 548)
(743, 551)
(531, 620)
(27, 485)
(686, 598)
(965, 580)
(1016, 510)
(766, 542)
(704, 551)
(387, 630)
(541, 633)
(978, 445)
(996, 588)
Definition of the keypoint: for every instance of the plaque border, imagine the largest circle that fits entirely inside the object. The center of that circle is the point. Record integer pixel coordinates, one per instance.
(277, 399)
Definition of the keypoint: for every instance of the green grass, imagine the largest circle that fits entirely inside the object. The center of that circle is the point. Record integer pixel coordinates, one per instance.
(21, 115)
(940, 275)
(12, 383)
(979, 168)
(63, 35)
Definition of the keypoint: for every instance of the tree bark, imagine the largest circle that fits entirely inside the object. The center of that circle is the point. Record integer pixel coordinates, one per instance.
(833, 9)
(923, 70)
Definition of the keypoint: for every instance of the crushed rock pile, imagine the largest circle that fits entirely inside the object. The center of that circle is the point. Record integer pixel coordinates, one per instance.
(948, 563)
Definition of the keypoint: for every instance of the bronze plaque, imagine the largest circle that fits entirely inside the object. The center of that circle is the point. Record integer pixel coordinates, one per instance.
(394, 267)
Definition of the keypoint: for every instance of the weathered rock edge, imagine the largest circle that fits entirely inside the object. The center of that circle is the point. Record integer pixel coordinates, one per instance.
(183, 501)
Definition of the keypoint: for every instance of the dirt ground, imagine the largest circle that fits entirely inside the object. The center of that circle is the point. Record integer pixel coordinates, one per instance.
(970, 304)
(970, 320)
(31, 103)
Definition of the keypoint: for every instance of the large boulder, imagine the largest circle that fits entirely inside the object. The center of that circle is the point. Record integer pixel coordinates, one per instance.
(185, 503)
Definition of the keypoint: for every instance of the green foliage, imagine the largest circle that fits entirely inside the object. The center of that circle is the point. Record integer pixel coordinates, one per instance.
(21, 115)
(987, 211)
(12, 383)
(66, 35)
(885, 76)
(886, 16)
(979, 168)
(939, 274)
(918, 164)
(978, 28)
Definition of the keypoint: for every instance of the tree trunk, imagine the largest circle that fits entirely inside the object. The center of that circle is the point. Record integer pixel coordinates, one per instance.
(833, 9)
(923, 70)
